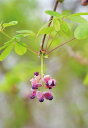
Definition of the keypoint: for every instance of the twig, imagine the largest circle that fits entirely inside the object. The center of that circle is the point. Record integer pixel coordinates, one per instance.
(50, 21)
(31, 50)
(60, 45)
(51, 42)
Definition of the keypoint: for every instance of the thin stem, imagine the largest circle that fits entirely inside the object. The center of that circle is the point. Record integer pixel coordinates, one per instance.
(51, 42)
(5, 34)
(42, 64)
(51, 18)
(60, 45)
(47, 42)
(28, 48)
(31, 50)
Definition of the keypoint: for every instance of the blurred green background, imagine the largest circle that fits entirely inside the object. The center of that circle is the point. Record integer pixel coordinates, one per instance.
(68, 65)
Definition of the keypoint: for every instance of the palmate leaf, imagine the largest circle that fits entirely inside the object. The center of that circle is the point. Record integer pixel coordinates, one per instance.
(56, 24)
(29, 32)
(53, 13)
(18, 37)
(20, 49)
(6, 52)
(66, 12)
(65, 27)
(44, 30)
(81, 31)
(81, 13)
(77, 19)
(10, 24)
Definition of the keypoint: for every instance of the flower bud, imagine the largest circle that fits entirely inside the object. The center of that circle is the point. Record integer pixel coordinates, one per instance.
(36, 73)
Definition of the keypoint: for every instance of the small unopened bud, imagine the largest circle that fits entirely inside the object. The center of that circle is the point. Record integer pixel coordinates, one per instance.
(36, 73)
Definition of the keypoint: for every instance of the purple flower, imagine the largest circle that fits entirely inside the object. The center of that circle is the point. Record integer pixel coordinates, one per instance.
(39, 81)
(52, 82)
(40, 96)
(35, 86)
(41, 100)
(48, 95)
(33, 94)
(36, 73)
(35, 83)
(46, 78)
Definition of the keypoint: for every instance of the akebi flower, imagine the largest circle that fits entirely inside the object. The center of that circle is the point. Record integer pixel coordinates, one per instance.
(50, 83)
(46, 78)
(40, 96)
(42, 81)
(35, 83)
(33, 94)
(48, 95)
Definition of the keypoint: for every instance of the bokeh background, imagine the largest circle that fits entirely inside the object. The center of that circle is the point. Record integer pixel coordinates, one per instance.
(68, 65)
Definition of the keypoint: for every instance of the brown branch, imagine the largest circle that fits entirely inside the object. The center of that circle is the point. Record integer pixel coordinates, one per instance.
(61, 45)
(50, 21)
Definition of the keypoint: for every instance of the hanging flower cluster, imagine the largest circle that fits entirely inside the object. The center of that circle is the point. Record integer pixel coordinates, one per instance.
(42, 81)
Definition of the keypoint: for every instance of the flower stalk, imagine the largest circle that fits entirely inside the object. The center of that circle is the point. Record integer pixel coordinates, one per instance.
(42, 65)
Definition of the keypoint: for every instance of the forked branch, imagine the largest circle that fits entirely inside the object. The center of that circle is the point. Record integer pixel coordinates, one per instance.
(50, 21)
(61, 45)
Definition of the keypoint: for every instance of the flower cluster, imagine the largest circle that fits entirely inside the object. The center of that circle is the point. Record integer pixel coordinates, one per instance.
(42, 81)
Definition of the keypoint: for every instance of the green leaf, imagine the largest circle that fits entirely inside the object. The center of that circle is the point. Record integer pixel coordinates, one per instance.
(31, 33)
(65, 27)
(4, 46)
(56, 24)
(9, 42)
(46, 30)
(78, 19)
(6, 52)
(81, 13)
(81, 31)
(20, 49)
(86, 80)
(18, 37)
(66, 12)
(53, 13)
(9, 24)
(55, 42)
